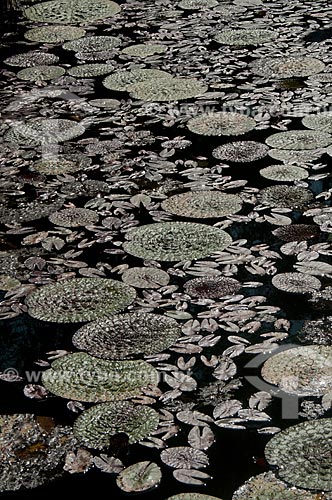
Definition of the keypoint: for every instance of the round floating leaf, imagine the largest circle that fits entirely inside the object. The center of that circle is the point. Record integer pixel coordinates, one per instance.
(33, 451)
(192, 496)
(319, 121)
(223, 123)
(43, 131)
(125, 335)
(293, 156)
(139, 477)
(71, 11)
(61, 164)
(33, 58)
(95, 426)
(299, 139)
(305, 370)
(144, 49)
(54, 34)
(296, 282)
(267, 487)
(92, 44)
(79, 299)
(82, 377)
(167, 89)
(184, 457)
(197, 4)
(212, 287)
(105, 103)
(296, 232)
(88, 70)
(249, 36)
(284, 173)
(287, 67)
(203, 204)
(41, 73)
(302, 454)
(74, 217)
(241, 151)
(25, 212)
(145, 277)
(174, 241)
(8, 282)
(122, 79)
(284, 196)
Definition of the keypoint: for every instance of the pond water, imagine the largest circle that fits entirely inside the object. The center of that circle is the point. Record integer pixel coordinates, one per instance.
(165, 190)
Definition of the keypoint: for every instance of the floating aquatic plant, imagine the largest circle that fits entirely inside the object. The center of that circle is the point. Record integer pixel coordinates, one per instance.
(61, 164)
(145, 277)
(267, 486)
(41, 73)
(43, 131)
(79, 299)
(304, 370)
(33, 450)
(144, 50)
(54, 34)
(316, 331)
(184, 457)
(296, 282)
(322, 299)
(82, 377)
(192, 496)
(212, 287)
(285, 196)
(32, 58)
(139, 477)
(299, 139)
(241, 151)
(26, 212)
(121, 79)
(89, 70)
(223, 123)
(171, 241)
(284, 173)
(166, 89)
(94, 427)
(203, 204)
(71, 12)
(92, 44)
(287, 66)
(297, 232)
(294, 156)
(248, 36)
(302, 454)
(74, 217)
(319, 121)
(197, 4)
(127, 335)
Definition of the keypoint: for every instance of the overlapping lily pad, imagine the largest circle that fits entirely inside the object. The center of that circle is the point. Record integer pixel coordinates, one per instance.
(304, 371)
(74, 217)
(203, 204)
(319, 121)
(54, 34)
(267, 486)
(139, 477)
(212, 287)
(82, 377)
(95, 426)
(287, 67)
(222, 123)
(41, 73)
(120, 80)
(285, 196)
(248, 36)
(92, 43)
(127, 335)
(145, 277)
(302, 454)
(241, 151)
(43, 131)
(174, 241)
(284, 173)
(79, 299)
(71, 12)
(299, 139)
(166, 89)
(296, 282)
(144, 50)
